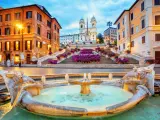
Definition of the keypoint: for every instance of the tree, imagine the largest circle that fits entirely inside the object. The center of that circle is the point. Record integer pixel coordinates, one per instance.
(100, 38)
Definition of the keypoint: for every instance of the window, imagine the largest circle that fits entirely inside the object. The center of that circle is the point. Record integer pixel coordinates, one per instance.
(38, 44)
(142, 6)
(143, 40)
(17, 16)
(55, 27)
(8, 17)
(39, 17)
(156, 2)
(28, 29)
(123, 21)
(48, 35)
(7, 31)
(119, 47)
(0, 46)
(143, 23)
(124, 46)
(119, 37)
(119, 26)
(123, 34)
(7, 46)
(29, 14)
(131, 16)
(1, 19)
(16, 45)
(39, 30)
(157, 20)
(137, 29)
(16, 31)
(57, 30)
(0, 32)
(157, 37)
(28, 45)
(132, 44)
(132, 30)
(48, 23)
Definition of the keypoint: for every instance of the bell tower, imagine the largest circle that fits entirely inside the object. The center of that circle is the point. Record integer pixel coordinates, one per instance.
(93, 22)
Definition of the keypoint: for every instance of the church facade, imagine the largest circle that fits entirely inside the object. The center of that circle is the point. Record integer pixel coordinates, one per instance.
(88, 33)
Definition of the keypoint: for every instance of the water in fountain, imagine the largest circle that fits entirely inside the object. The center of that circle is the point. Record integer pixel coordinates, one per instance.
(100, 97)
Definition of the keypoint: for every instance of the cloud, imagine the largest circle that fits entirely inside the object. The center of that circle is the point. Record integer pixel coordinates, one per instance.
(69, 12)
(74, 25)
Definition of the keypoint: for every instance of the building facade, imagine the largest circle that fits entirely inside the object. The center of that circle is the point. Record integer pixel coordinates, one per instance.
(28, 30)
(139, 29)
(65, 39)
(110, 35)
(85, 29)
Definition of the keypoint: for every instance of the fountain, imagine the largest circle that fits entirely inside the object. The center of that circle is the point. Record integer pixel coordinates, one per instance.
(85, 85)
(81, 98)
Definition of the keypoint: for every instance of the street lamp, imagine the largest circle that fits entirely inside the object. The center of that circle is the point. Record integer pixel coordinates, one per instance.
(98, 41)
(20, 27)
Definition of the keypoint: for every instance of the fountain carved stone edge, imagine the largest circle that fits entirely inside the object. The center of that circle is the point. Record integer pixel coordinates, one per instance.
(22, 91)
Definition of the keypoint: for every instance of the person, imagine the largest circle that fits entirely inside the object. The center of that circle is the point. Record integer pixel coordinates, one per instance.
(8, 63)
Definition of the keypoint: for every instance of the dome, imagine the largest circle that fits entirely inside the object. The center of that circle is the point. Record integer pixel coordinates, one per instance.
(93, 19)
(81, 20)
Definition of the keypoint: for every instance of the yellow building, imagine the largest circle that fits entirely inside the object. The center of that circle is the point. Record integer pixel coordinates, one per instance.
(138, 29)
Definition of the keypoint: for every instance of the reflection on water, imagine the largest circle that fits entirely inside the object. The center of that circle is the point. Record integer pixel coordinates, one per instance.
(48, 71)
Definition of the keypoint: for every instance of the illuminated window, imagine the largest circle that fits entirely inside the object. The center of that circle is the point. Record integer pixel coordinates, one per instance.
(17, 59)
(49, 47)
(38, 44)
(28, 45)
(7, 46)
(16, 45)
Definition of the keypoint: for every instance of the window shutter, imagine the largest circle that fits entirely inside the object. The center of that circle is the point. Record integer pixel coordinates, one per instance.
(19, 45)
(14, 45)
(5, 47)
(31, 45)
(40, 44)
(25, 45)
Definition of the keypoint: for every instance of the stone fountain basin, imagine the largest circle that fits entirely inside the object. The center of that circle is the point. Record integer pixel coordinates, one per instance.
(35, 105)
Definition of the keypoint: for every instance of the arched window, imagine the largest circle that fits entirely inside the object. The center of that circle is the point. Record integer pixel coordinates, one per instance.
(81, 26)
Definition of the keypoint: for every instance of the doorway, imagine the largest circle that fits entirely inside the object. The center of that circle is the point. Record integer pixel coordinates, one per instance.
(28, 58)
(157, 57)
